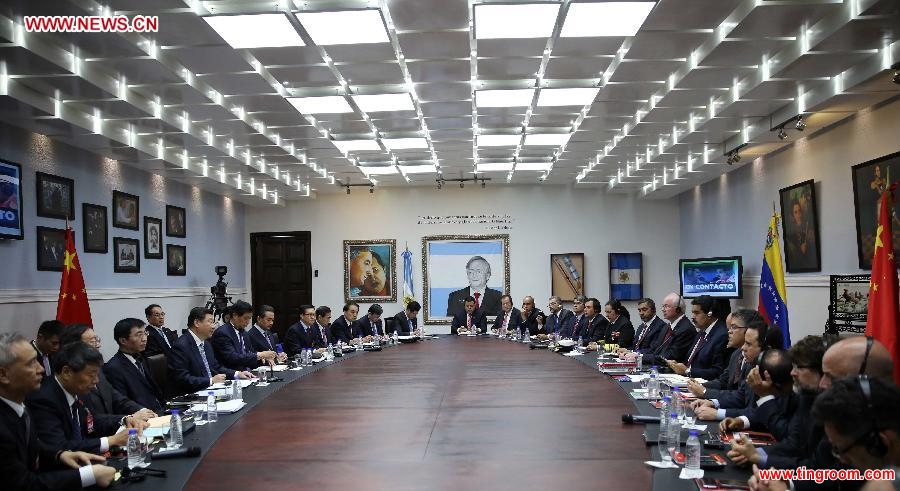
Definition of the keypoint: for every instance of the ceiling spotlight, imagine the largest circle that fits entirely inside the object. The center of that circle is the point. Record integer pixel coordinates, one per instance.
(483, 184)
(462, 185)
(440, 183)
(736, 157)
(781, 133)
(371, 189)
(896, 77)
(348, 189)
(801, 125)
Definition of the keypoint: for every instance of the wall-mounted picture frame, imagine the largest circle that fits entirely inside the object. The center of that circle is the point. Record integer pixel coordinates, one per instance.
(95, 232)
(369, 270)
(126, 255)
(567, 275)
(869, 180)
(800, 228)
(12, 224)
(51, 248)
(626, 275)
(176, 221)
(126, 210)
(153, 242)
(55, 196)
(849, 306)
(176, 260)
(453, 266)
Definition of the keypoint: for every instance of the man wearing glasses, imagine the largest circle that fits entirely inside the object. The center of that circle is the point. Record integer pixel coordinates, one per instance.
(128, 371)
(478, 272)
(159, 338)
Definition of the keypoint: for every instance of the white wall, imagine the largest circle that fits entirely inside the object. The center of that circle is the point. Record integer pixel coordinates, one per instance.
(548, 219)
(730, 215)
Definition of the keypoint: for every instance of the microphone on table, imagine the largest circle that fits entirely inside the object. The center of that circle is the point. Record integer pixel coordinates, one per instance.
(177, 453)
(636, 418)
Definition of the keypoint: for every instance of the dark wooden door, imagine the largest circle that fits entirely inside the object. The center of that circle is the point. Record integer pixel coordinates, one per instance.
(281, 274)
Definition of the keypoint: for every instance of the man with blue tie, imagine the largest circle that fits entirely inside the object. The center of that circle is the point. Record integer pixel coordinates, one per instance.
(192, 363)
(370, 325)
(559, 321)
(300, 335)
(128, 371)
(230, 343)
(406, 322)
(260, 337)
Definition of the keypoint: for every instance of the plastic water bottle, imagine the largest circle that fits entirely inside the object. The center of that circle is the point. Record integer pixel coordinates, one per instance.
(359, 345)
(652, 387)
(135, 450)
(395, 338)
(212, 414)
(237, 392)
(692, 452)
(175, 430)
(329, 352)
(674, 432)
(640, 361)
(664, 415)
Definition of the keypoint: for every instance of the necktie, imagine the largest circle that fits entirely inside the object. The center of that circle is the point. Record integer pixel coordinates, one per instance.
(477, 303)
(506, 319)
(26, 420)
(410, 326)
(736, 372)
(76, 422)
(469, 320)
(644, 329)
(700, 342)
(205, 361)
(324, 336)
(241, 339)
(662, 347)
(139, 363)
(268, 339)
(46, 360)
(555, 321)
(162, 332)
(374, 332)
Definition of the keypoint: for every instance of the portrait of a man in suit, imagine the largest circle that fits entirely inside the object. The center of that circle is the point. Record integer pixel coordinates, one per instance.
(478, 272)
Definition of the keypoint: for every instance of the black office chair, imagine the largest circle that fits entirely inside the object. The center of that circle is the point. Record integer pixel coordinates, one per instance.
(159, 370)
(389, 325)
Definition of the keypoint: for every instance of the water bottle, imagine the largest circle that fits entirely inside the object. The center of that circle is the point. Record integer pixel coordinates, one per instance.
(175, 431)
(307, 357)
(395, 338)
(135, 450)
(212, 414)
(674, 432)
(359, 345)
(653, 388)
(237, 392)
(679, 404)
(329, 352)
(692, 452)
(664, 415)
(640, 361)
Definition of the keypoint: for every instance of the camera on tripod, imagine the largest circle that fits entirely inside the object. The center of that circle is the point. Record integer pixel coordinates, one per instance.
(218, 299)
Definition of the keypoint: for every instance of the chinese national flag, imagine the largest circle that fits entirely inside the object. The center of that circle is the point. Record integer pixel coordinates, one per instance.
(883, 321)
(72, 306)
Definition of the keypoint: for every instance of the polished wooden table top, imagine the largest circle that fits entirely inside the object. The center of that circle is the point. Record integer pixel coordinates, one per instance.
(452, 413)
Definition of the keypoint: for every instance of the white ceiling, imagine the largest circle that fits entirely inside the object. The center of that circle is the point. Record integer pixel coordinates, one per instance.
(181, 102)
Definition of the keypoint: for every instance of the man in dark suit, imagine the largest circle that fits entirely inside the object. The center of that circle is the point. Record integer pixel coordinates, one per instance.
(736, 323)
(478, 271)
(507, 318)
(469, 319)
(300, 335)
(59, 413)
(559, 320)
(46, 343)
(406, 322)
(646, 336)
(531, 320)
(370, 326)
(128, 371)
(230, 343)
(260, 337)
(706, 356)
(159, 338)
(341, 328)
(677, 338)
(321, 329)
(193, 366)
(578, 319)
(594, 324)
(29, 464)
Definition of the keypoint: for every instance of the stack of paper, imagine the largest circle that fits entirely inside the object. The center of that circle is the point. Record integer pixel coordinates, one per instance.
(226, 407)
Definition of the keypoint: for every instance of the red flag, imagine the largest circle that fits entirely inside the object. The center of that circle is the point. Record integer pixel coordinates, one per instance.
(72, 306)
(883, 319)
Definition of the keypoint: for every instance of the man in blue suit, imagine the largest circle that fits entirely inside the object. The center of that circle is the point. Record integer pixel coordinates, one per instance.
(341, 328)
(469, 319)
(300, 335)
(706, 358)
(193, 364)
(370, 326)
(230, 342)
(159, 337)
(260, 337)
(321, 329)
(677, 337)
(128, 371)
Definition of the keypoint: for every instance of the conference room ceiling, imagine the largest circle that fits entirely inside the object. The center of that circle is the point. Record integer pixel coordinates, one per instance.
(404, 92)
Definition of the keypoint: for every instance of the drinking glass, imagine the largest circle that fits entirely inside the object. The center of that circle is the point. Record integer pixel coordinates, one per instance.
(262, 373)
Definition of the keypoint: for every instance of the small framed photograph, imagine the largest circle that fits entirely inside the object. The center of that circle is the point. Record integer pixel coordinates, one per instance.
(800, 228)
(95, 231)
(55, 196)
(849, 307)
(12, 225)
(127, 255)
(176, 260)
(51, 248)
(176, 226)
(152, 238)
(626, 272)
(126, 210)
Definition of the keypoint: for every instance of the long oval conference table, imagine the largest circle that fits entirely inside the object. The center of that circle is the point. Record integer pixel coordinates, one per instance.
(449, 413)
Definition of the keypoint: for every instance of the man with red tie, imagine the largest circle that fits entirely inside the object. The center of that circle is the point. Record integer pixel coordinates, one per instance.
(706, 358)
(487, 300)
(469, 319)
(506, 319)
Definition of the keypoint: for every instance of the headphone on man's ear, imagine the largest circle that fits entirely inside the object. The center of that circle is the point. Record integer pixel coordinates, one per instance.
(872, 441)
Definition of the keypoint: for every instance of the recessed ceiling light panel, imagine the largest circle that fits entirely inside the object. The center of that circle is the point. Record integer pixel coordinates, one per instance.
(347, 146)
(567, 97)
(537, 166)
(384, 102)
(605, 19)
(404, 143)
(494, 167)
(504, 98)
(497, 140)
(418, 169)
(547, 139)
(255, 30)
(529, 20)
(345, 27)
(382, 170)
(331, 104)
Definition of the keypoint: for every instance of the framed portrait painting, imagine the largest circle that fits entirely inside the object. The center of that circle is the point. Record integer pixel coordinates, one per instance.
(126, 255)
(51, 248)
(870, 179)
(800, 228)
(567, 275)
(369, 274)
(153, 238)
(176, 260)
(626, 274)
(126, 210)
(55, 196)
(176, 226)
(457, 266)
(95, 233)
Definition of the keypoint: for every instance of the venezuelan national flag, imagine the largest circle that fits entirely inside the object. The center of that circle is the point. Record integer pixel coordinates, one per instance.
(772, 294)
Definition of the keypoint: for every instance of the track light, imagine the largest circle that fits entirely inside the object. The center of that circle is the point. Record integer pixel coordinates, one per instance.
(733, 157)
(348, 189)
(896, 77)
(440, 183)
(371, 189)
(801, 125)
(781, 133)
(483, 185)
(462, 185)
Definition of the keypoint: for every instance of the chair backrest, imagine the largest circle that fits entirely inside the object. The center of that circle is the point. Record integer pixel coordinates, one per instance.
(159, 369)
(389, 325)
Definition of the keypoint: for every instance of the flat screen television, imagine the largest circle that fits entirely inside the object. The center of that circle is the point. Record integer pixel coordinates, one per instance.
(10, 200)
(714, 276)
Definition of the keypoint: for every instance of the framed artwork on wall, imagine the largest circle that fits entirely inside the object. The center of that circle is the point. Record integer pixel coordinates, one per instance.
(369, 272)
(626, 272)
(126, 210)
(567, 275)
(869, 180)
(12, 225)
(800, 228)
(51, 248)
(176, 260)
(455, 266)
(849, 307)
(126, 255)
(95, 233)
(55, 196)
(153, 238)
(176, 224)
